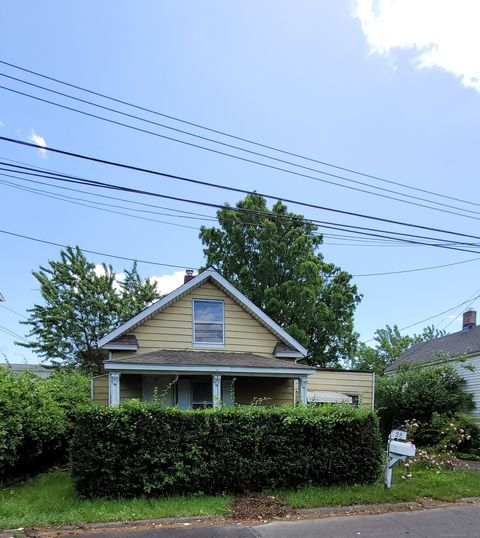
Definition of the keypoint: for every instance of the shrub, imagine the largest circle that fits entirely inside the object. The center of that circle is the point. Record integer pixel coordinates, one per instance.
(416, 392)
(146, 449)
(36, 419)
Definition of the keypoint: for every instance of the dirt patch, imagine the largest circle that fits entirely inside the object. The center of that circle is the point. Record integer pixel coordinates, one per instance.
(257, 506)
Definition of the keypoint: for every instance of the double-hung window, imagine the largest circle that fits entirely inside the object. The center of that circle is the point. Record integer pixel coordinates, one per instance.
(208, 322)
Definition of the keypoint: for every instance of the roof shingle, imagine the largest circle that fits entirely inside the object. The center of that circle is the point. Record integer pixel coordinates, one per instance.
(172, 357)
(459, 343)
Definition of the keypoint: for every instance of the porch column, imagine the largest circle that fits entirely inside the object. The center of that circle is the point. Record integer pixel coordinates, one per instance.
(303, 389)
(216, 390)
(113, 389)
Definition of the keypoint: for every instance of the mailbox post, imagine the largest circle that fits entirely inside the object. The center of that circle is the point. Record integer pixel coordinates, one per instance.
(397, 449)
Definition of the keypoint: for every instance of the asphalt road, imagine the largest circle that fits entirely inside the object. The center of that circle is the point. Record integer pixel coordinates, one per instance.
(451, 522)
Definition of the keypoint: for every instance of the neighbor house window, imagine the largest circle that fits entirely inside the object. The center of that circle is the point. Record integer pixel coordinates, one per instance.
(208, 322)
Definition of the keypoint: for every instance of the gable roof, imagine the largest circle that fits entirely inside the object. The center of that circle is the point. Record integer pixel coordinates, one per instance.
(460, 343)
(224, 285)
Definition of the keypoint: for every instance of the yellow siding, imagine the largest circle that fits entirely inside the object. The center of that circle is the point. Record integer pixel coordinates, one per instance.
(276, 391)
(172, 328)
(346, 382)
(130, 387)
(100, 389)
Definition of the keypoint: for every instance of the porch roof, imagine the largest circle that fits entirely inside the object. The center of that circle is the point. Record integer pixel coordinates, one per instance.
(184, 360)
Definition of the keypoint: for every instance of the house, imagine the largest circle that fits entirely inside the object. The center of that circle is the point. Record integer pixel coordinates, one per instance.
(36, 369)
(463, 344)
(206, 344)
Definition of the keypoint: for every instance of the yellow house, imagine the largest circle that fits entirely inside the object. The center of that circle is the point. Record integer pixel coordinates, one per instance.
(206, 344)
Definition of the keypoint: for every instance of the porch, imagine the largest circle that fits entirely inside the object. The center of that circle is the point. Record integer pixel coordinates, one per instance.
(200, 391)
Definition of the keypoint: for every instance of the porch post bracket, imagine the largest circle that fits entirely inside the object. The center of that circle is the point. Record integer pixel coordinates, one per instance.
(303, 389)
(217, 390)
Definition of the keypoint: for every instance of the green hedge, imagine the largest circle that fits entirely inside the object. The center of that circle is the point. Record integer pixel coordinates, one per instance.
(142, 449)
(36, 419)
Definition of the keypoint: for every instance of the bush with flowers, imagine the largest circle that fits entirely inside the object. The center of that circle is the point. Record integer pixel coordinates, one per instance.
(439, 441)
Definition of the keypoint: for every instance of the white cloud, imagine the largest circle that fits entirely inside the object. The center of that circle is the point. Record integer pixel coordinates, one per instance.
(164, 283)
(443, 33)
(39, 141)
(2, 124)
(119, 277)
(167, 283)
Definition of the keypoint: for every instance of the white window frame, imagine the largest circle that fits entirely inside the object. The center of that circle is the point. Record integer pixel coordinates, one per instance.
(208, 344)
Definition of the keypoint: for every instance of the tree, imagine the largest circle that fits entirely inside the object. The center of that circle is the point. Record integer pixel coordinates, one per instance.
(80, 306)
(390, 344)
(419, 392)
(272, 257)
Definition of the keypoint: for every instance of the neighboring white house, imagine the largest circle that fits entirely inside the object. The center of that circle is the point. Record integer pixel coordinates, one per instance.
(464, 343)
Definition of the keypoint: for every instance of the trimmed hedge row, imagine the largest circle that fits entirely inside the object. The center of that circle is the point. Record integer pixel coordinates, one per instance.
(141, 449)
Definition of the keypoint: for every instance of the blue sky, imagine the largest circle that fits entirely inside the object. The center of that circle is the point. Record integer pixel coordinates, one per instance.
(380, 87)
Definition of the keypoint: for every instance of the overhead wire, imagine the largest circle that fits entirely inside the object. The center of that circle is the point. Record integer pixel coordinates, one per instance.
(231, 136)
(146, 131)
(229, 188)
(324, 224)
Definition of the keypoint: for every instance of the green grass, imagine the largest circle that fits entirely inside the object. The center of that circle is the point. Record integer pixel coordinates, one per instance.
(445, 486)
(49, 499)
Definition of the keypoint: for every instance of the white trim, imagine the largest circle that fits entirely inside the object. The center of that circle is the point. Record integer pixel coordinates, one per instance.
(173, 368)
(114, 388)
(303, 389)
(185, 288)
(121, 347)
(289, 355)
(216, 390)
(208, 344)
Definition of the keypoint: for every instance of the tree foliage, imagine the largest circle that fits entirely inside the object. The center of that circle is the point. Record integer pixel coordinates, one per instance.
(272, 256)
(36, 418)
(389, 345)
(419, 392)
(80, 305)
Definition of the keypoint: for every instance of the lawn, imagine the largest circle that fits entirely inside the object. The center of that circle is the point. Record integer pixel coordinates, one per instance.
(445, 486)
(49, 499)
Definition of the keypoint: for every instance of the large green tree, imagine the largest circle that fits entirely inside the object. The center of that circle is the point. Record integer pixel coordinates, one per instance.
(389, 344)
(272, 256)
(80, 305)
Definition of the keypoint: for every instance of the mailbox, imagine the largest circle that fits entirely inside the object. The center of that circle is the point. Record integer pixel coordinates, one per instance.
(397, 451)
(403, 449)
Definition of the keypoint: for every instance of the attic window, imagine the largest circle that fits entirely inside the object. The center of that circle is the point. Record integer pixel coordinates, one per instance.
(208, 322)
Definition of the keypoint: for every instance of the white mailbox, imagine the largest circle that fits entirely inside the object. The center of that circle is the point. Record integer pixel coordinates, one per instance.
(397, 451)
(403, 449)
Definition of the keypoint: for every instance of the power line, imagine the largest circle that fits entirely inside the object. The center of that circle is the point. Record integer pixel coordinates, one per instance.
(97, 253)
(72, 201)
(188, 133)
(359, 230)
(417, 269)
(146, 131)
(228, 188)
(325, 224)
(11, 333)
(229, 135)
(378, 242)
(14, 311)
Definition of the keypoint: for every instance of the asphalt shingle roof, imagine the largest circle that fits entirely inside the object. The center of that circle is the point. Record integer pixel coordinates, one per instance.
(207, 358)
(460, 343)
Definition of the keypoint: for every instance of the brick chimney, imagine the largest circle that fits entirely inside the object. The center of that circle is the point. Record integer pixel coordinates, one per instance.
(188, 275)
(469, 320)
